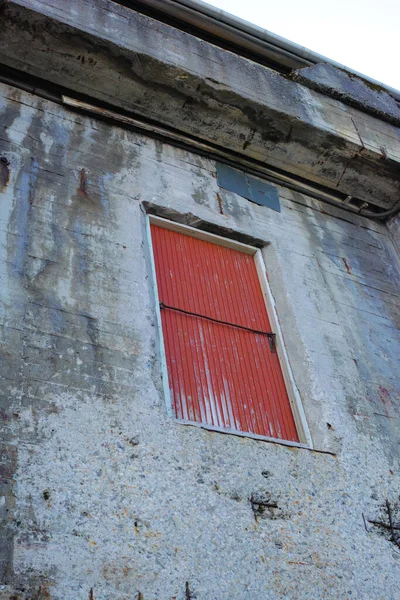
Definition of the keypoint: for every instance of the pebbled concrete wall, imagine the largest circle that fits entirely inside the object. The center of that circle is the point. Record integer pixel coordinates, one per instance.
(105, 497)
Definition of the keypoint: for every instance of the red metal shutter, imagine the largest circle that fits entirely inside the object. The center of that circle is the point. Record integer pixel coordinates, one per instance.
(219, 375)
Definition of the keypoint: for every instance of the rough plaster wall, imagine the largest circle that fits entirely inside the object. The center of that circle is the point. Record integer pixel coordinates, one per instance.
(100, 489)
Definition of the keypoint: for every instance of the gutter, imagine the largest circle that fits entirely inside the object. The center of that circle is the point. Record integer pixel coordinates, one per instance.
(244, 37)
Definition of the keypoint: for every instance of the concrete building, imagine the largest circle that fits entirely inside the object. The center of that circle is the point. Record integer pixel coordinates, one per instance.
(114, 111)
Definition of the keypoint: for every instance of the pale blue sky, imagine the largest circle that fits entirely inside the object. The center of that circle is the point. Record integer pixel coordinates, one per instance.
(361, 34)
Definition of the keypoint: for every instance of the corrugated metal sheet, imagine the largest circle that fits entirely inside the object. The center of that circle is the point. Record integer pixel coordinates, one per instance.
(218, 375)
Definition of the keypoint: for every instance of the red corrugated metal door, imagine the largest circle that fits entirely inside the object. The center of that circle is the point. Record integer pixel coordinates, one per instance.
(219, 375)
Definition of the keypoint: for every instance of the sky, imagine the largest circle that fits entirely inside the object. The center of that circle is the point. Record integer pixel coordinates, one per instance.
(361, 34)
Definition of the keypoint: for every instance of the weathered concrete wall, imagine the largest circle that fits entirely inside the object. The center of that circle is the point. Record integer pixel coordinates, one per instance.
(100, 489)
(112, 53)
(351, 89)
(394, 227)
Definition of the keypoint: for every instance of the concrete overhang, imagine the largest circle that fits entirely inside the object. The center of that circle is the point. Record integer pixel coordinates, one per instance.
(113, 54)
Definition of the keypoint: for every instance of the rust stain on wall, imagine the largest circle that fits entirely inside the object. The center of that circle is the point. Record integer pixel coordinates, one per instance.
(386, 399)
(346, 264)
(220, 204)
(82, 188)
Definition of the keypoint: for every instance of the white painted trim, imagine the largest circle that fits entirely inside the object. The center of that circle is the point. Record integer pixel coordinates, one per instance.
(202, 235)
(164, 370)
(293, 394)
(294, 397)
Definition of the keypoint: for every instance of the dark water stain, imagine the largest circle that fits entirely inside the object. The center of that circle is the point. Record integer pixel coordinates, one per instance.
(32, 285)
(102, 154)
(9, 452)
(271, 129)
(20, 217)
(387, 400)
(200, 197)
(4, 173)
(39, 267)
(201, 194)
(104, 151)
(39, 263)
(8, 468)
(159, 150)
(232, 206)
(7, 117)
(39, 176)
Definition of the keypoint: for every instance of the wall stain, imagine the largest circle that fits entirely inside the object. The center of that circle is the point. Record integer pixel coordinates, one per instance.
(200, 197)
(82, 188)
(33, 281)
(4, 173)
(346, 264)
(386, 399)
(220, 204)
(8, 451)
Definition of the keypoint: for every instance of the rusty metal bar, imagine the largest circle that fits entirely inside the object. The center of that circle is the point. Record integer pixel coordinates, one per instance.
(271, 336)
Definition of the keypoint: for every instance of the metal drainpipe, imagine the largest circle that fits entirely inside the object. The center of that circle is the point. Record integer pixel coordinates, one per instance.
(383, 215)
(244, 34)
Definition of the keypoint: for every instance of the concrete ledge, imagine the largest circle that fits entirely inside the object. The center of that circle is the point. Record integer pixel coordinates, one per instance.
(113, 54)
(350, 89)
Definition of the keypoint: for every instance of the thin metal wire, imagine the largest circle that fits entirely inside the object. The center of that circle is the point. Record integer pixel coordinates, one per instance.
(269, 334)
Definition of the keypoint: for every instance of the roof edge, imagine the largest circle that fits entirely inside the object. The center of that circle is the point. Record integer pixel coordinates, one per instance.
(245, 35)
